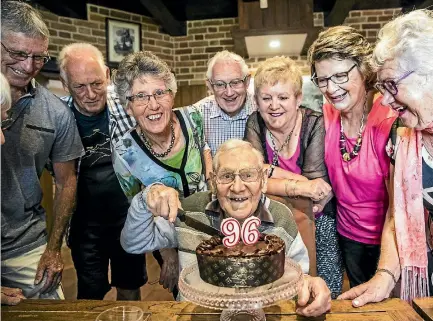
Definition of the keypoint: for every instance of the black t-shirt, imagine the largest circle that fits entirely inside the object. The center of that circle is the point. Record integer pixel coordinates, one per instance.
(100, 198)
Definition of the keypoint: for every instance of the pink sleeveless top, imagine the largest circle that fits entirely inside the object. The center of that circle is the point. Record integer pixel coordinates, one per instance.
(288, 164)
(359, 185)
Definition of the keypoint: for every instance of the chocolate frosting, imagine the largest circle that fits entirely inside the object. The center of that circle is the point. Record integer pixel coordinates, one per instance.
(266, 245)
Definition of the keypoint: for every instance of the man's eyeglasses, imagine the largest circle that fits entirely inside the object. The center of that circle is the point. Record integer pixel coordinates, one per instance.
(247, 175)
(391, 85)
(338, 78)
(220, 85)
(21, 56)
(159, 95)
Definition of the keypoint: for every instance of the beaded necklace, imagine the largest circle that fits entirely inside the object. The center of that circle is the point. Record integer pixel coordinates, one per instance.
(344, 153)
(148, 144)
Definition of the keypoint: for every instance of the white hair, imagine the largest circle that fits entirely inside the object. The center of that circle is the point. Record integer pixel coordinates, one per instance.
(235, 144)
(226, 56)
(5, 93)
(78, 48)
(409, 40)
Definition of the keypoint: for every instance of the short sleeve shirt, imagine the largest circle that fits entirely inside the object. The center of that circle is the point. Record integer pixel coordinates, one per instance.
(43, 128)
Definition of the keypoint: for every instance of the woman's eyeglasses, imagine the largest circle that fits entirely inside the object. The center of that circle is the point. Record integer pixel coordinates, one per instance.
(391, 84)
(143, 99)
(338, 78)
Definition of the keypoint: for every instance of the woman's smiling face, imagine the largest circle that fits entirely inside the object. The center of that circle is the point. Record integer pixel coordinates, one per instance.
(278, 104)
(414, 98)
(346, 95)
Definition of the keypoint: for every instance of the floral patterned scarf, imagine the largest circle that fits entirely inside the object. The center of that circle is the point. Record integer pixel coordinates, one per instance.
(409, 214)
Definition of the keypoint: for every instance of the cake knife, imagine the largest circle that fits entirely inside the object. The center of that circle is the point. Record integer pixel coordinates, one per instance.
(196, 224)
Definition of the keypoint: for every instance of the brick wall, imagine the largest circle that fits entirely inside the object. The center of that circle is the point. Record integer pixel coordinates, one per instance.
(188, 55)
(64, 31)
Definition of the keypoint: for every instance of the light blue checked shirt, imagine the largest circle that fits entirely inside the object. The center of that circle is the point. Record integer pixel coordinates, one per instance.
(218, 126)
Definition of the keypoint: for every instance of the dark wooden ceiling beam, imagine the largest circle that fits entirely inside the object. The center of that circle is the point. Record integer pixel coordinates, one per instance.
(339, 12)
(163, 16)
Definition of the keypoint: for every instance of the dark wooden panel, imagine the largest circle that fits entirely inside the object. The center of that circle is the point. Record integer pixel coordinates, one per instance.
(306, 14)
(269, 16)
(242, 15)
(279, 14)
(281, 11)
(293, 13)
(255, 15)
(47, 186)
(187, 95)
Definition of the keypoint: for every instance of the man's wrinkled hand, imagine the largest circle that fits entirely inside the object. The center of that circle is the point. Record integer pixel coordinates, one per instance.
(163, 201)
(170, 269)
(315, 289)
(51, 265)
(11, 296)
(375, 290)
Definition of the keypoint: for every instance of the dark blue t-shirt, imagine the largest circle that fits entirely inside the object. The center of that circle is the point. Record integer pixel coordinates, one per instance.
(100, 198)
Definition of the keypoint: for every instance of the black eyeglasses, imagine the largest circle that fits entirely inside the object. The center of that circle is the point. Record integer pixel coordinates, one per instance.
(220, 85)
(159, 95)
(338, 78)
(391, 85)
(21, 56)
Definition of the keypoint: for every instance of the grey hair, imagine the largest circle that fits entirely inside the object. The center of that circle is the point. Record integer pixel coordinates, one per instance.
(5, 93)
(408, 39)
(138, 65)
(235, 144)
(74, 48)
(20, 17)
(226, 56)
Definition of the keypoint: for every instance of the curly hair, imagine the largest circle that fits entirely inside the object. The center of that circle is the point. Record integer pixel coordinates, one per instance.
(343, 42)
(138, 65)
(409, 39)
(278, 69)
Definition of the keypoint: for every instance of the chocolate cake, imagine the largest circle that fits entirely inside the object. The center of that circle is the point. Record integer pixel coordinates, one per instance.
(241, 266)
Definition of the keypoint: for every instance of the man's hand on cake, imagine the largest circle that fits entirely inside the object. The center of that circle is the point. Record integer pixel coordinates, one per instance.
(163, 201)
(314, 290)
(170, 269)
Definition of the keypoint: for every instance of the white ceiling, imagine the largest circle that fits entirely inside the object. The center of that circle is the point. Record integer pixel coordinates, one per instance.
(290, 45)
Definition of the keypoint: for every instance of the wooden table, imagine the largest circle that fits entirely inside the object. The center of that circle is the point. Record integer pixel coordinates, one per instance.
(50, 310)
(424, 307)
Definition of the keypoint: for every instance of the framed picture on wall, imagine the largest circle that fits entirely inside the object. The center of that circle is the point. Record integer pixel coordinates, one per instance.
(123, 38)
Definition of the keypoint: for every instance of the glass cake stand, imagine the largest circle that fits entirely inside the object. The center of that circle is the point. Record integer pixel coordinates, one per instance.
(247, 303)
